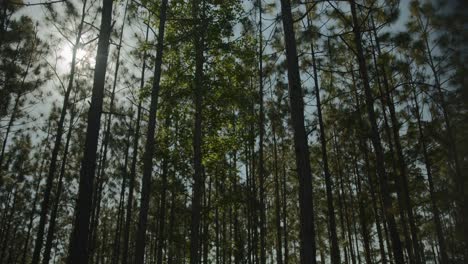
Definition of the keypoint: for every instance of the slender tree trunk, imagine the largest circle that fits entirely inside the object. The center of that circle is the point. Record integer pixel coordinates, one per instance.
(120, 211)
(58, 193)
(375, 137)
(253, 191)
(399, 151)
(36, 199)
(334, 250)
(279, 255)
(171, 250)
(363, 149)
(162, 207)
(8, 222)
(261, 121)
(96, 206)
(362, 216)
(435, 209)
(57, 142)
(346, 212)
(31, 218)
(79, 243)
(131, 184)
(105, 143)
(7, 133)
(398, 181)
(285, 205)
(459, 178)
(197, 137)
(340, 202)
(149, 147)
(247, 201)
(307, 229)
(206, 226)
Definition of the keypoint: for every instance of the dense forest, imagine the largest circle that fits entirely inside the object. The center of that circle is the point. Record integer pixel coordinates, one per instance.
(235, 131)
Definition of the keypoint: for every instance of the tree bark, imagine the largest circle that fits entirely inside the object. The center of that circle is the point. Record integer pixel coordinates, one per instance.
(58, 193)
(55, 151)
(375, 137)
(149, 147)
(162, 207)
(79, 243)
(197, 188)
(307, 229)
(131, 184)
(427, 162)
(363, 149)
(279, 255)
(261, 129)
(334, 250)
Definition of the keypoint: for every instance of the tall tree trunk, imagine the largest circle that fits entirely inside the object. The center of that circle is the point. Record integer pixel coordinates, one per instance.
(375, 137)
(131, 184)
(7, 133)
(170, 238)
(149, 147)
(397, 176)
(362, 215)
(261, 125)
(121, 210)
(253, 189)
(285, 205)
(279, 255)
(341, 201)
(346, 211)
(79, 242)
(9, 214)
(459, 179)
(399, 151)
(58, 193)
(363, 149)
(36, 198)
(334, 250)
(31, 218)
(57, 142)
(206, 226)
(427, 162)
(101, 178)
(162, 207)
(197, 188)
(307, 229)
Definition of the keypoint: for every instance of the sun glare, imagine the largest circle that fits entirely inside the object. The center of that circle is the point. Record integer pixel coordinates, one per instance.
(82, 56)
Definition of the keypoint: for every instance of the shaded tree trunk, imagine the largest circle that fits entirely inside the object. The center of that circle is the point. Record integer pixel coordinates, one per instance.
(408, 205)
(78, 253)
(427, 162)
(261, 125)
(57, 142)
(279, 255)
(197, 188)
(36, 199)
(149, 147)
(162, 207)
(375, 137)
(131, 184)
(334, 250)
(58, 193)
(307, 229)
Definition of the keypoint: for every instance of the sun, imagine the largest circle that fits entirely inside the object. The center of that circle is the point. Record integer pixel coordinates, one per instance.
(83, 56)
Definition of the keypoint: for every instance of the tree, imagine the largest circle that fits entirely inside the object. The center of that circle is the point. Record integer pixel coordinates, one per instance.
(79, 242)
(149, 147)
(307, 232)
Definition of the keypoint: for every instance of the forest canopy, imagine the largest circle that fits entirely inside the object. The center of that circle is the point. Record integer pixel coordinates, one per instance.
(240, 131)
